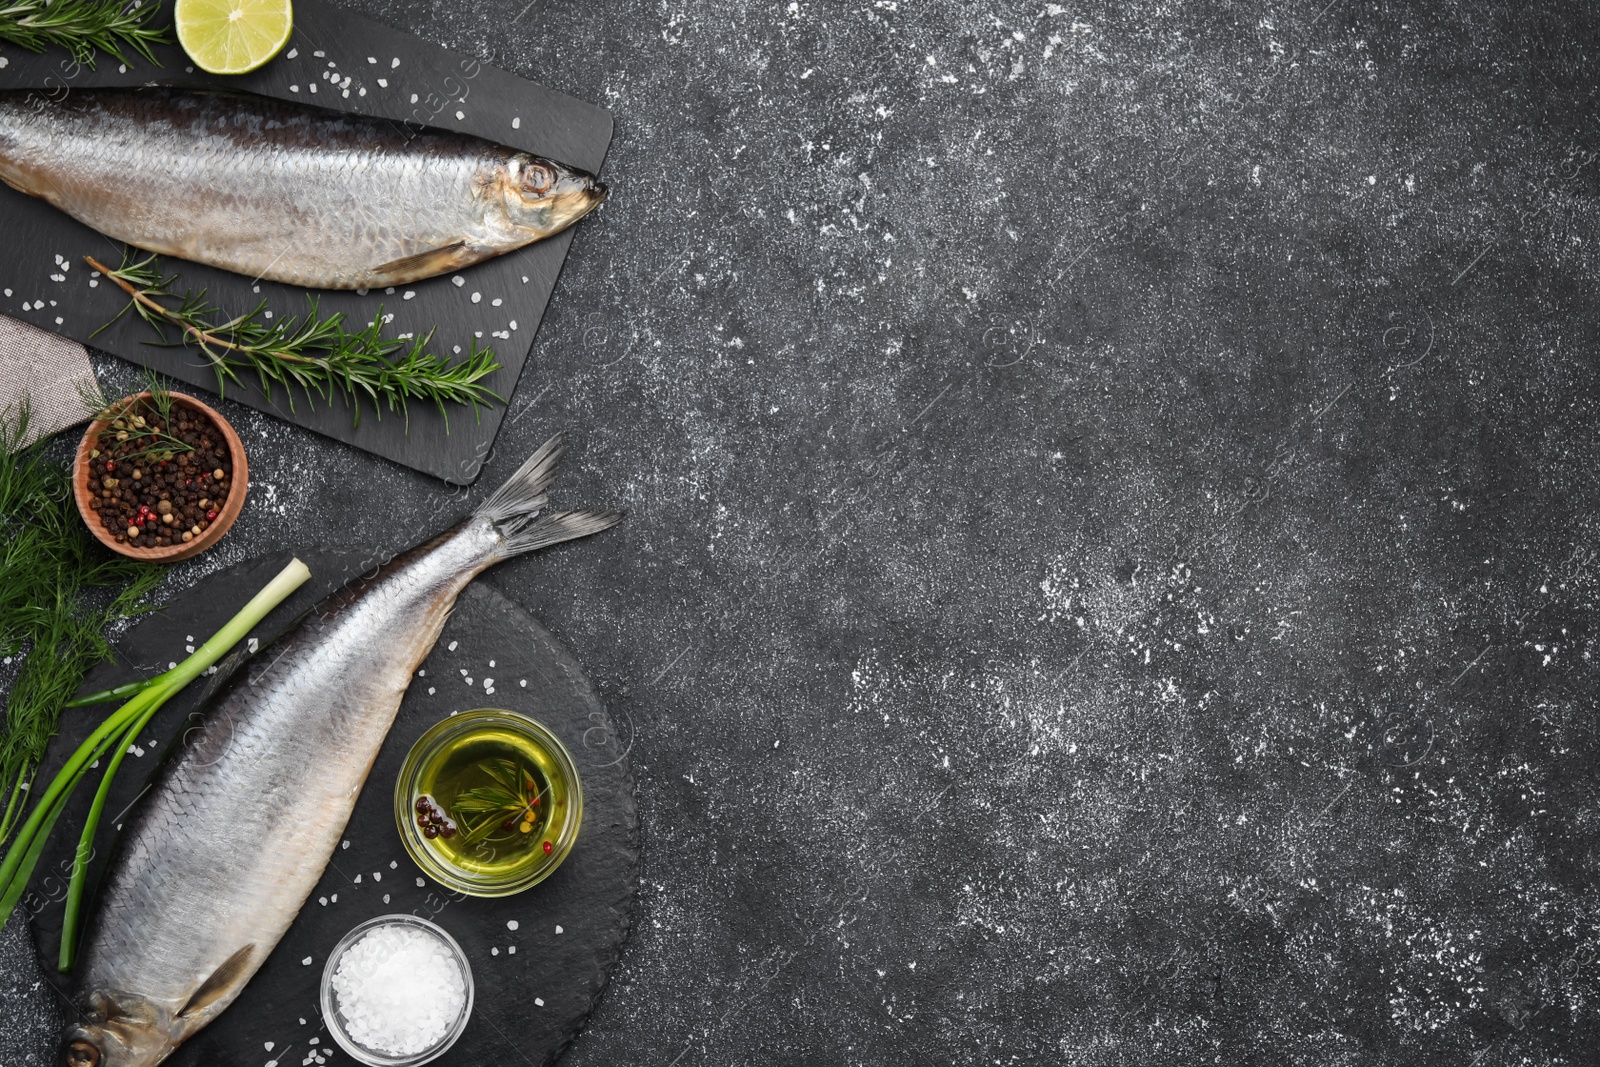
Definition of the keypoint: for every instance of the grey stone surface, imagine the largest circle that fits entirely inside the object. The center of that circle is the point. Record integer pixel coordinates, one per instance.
(1110, 575)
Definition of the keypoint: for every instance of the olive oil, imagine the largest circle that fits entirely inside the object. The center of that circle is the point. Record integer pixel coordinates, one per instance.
(503, 797)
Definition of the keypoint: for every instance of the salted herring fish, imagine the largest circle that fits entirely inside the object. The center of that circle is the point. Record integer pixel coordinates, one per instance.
(289, 192)
(238, 827)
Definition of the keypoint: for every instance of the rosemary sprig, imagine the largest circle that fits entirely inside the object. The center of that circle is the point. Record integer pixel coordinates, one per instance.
(513, 798)
(83, 27)
(151, 440)
(315, 354)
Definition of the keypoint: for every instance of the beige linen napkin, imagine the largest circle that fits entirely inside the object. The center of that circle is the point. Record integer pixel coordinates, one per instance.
(46, 370)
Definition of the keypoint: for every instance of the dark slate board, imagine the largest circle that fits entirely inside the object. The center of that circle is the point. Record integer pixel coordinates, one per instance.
(326, 39)
(589, 899)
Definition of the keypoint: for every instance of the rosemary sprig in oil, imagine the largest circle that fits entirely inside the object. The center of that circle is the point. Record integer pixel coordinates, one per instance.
(312, 353)
(513, 801)
(83, 27)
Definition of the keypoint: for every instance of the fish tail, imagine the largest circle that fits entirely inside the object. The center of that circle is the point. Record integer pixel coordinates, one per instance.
(559, 526)
(517, 507)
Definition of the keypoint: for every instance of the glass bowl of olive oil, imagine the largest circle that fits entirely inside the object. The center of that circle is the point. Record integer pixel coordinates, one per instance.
(488, 802)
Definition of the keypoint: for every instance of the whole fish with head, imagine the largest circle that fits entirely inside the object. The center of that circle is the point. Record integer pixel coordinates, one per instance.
(238, 827)
(284, 191)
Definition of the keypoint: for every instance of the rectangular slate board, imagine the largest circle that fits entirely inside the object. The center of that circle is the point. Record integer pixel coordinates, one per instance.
(378, 71)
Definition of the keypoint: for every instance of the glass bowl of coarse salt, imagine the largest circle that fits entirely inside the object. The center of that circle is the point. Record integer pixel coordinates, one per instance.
(396, 992)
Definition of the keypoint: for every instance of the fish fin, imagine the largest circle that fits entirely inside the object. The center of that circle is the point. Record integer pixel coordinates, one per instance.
(516, 506)
(559, 526)
(220, 982)
(427, 264)
(522, 497)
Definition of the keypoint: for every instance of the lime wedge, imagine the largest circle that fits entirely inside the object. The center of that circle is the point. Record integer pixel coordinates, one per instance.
(232, 36)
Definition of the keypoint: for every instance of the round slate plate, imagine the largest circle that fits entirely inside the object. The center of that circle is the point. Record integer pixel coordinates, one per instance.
(541, 959)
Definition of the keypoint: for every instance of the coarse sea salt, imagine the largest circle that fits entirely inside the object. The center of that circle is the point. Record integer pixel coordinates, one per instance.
(399, 990)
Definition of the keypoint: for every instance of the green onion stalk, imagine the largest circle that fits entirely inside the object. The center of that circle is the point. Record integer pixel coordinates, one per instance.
(119, 731)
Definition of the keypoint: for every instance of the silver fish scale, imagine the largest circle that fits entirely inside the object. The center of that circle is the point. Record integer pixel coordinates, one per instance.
(241, 824)
(261, 187)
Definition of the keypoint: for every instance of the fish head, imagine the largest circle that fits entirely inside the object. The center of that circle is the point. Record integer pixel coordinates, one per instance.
(117, 1034)
(546, 197)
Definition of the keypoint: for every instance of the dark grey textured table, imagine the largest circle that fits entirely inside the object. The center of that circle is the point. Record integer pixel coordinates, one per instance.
(1111, 569)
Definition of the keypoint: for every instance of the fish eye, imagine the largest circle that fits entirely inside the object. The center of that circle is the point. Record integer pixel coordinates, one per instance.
(537, 178)
(81, 1054)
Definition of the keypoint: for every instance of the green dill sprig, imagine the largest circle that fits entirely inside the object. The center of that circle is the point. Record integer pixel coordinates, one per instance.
(59, 591)
(312, 353)
(83, 27)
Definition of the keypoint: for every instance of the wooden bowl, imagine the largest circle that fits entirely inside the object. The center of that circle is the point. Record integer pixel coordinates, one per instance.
(169, 553)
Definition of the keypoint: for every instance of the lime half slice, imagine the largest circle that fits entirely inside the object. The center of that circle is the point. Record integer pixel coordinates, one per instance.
(232, 36)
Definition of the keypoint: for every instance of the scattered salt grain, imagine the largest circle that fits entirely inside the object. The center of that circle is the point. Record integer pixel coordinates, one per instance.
(512, 924)
(399, 990)
(453, 644)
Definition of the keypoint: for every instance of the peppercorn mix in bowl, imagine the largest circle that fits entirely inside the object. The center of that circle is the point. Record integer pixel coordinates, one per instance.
(160, 477)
